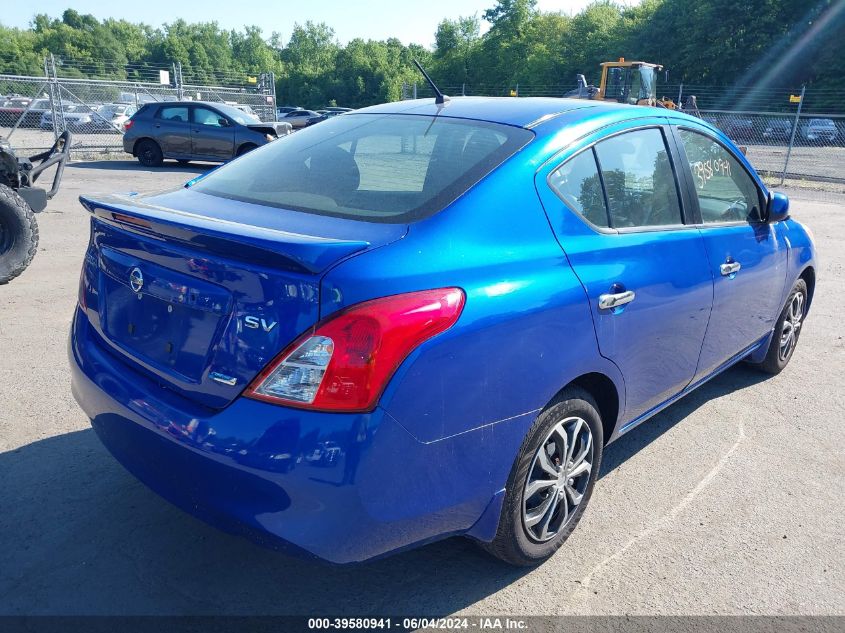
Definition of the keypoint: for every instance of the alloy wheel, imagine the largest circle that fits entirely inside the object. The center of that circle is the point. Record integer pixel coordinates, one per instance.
(558, 478)
(791, 326)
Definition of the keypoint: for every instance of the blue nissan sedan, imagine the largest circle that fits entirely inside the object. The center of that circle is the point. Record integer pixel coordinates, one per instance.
(419, 320)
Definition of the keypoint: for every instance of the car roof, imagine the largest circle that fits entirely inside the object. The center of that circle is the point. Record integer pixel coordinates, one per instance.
(186, 103)
(522, 111)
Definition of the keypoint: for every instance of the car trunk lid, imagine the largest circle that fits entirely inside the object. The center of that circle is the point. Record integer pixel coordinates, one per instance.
(200, 293)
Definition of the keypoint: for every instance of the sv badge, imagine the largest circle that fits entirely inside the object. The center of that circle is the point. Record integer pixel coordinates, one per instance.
(256, 323)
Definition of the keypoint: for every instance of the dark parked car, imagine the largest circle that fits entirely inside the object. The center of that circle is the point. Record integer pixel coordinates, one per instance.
(324, 115)
(739, 129)
(777, 130)
(195, 130)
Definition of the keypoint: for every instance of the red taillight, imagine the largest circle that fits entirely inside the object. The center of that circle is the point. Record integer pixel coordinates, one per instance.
(128, 125)
(347, 360)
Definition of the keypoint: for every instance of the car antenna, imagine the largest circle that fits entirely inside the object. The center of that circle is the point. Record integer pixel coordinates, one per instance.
(440, 99)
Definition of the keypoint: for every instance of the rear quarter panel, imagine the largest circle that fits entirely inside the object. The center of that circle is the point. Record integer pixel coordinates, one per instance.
(525, 331)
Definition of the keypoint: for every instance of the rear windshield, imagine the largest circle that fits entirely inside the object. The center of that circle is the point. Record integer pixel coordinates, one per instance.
(372, 167)
(244, 118)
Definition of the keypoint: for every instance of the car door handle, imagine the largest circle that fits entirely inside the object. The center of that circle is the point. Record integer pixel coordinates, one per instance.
(729, 268)
(608, 301)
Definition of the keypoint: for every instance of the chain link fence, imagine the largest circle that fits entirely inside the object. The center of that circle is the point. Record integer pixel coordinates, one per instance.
(809, 145)
(34, 111)
(795, 141)
(789, 141)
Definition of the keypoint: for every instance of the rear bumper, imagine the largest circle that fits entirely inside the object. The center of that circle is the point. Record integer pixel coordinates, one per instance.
(343, 488)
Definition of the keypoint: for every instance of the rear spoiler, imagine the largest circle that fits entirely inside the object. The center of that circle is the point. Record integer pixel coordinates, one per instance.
(242, 242)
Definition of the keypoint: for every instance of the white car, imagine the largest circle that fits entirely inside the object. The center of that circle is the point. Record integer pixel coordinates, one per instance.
(117, 114)
(110, 117)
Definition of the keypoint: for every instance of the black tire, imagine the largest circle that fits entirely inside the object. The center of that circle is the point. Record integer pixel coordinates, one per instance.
(776, 357)
(246, 147)
(18, 234)
(513, 542)
(149, 153)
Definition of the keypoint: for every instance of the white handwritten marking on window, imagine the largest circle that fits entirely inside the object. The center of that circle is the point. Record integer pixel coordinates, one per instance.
(704, 170)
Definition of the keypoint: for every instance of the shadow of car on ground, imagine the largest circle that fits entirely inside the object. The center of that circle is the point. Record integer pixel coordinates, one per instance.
(81, 536)
(130, 164)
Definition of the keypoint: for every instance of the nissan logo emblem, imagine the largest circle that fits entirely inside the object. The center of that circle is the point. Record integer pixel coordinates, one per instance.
(136, 279)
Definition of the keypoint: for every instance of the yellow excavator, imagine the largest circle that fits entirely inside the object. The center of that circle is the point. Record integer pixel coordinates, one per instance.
(630, 82)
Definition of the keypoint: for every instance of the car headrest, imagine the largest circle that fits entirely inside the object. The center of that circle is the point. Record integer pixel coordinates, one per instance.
(333, 172)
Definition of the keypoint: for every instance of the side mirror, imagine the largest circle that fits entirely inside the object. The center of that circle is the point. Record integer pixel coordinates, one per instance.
(777, 208)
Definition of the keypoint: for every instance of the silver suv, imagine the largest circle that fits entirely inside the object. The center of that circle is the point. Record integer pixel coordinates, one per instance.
(820, 131)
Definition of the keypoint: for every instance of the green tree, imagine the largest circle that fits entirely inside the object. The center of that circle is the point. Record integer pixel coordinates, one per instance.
(455, 43)
(756, 47)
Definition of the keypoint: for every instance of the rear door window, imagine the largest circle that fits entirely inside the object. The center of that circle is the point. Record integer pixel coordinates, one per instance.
(639, 180)
(577, 183)
(373, 167)
(176, 114)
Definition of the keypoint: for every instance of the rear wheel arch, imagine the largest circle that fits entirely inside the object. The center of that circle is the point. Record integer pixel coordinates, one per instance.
(604, 392)
(139, 140)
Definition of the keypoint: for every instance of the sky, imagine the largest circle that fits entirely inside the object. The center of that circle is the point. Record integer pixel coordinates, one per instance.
(410, 22)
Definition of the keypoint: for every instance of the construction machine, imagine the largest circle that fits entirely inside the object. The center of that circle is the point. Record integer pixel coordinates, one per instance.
(631, 82)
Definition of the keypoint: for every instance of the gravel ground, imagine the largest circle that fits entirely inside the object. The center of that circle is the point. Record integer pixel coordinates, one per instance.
(730, 501)
(820, 161)
(32, 140)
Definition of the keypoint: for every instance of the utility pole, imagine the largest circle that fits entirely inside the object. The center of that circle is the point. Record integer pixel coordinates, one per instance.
(273, 94)
(56, 109)
(177, 80)
(180, 92)
(792, 136)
